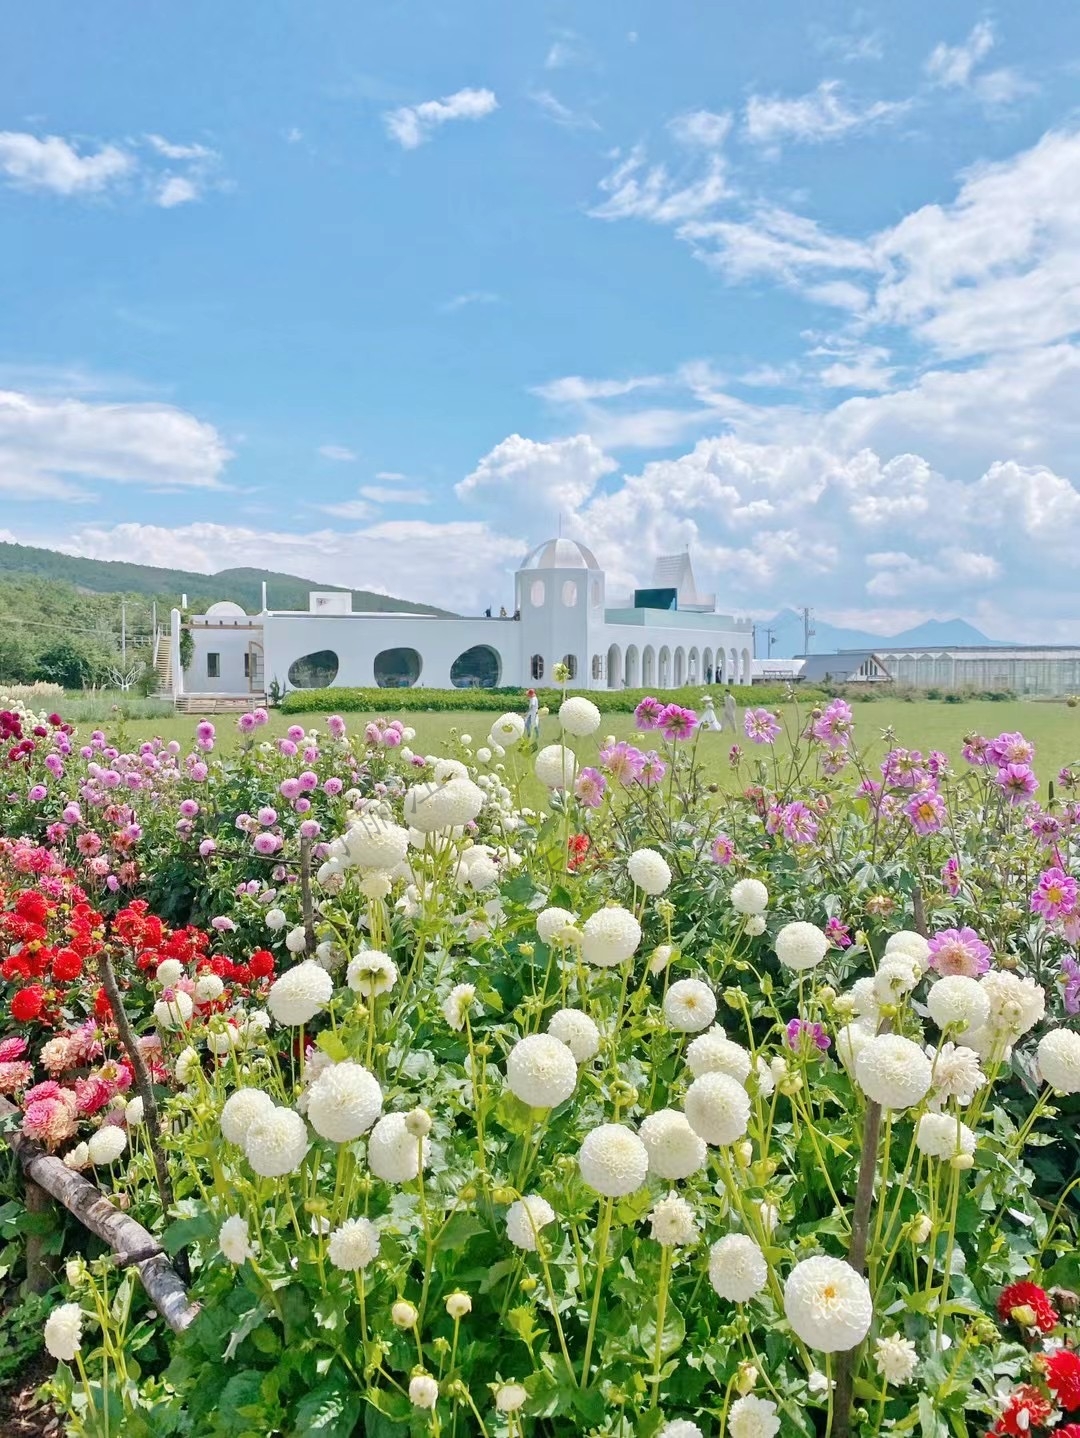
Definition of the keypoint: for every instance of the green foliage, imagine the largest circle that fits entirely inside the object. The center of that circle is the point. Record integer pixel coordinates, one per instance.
(497, 701)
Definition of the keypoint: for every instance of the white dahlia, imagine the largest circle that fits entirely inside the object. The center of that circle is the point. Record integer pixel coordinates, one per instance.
(393, 1152)
(755, 925)
(174, 1011)
(718, 1108)
(187, 1066)
(275, 919)
(895, 1358)
(233, 1240)
(1016, 1004)
(423, 1391)
(689, 1005)
(864, 1002)
(850, 1042)
(371, 973)
(556, 766)
(1059, 1060)
(680, 1428)
(956, 1074)
(737, 1268)
(443, 803)
(674, 1149)
(300, 993)
(714, 1052)
(106, 1144)
(893, 1071)
(613, 1160)
(373, 843)
(457, 1004)
(354, 1245)
(577, 1031)
(541, 1071)
(896, 976)
(509, 1397)
(135, 1113)
(169, 972)
(508, 730)
(553, 925)
(276, 1142)
(907, 941)
(940, 1135)
(801, 945)
(610, 937)
(749, 896)
(753, 1417)
(208, 987)
(828, 1304)
(343, 1102)
(649, 870)
(525, 1218)
(579, 717)
(672, 1222)
(240, 1111)
(958, 1002)
(296, 940)
(63, 1332)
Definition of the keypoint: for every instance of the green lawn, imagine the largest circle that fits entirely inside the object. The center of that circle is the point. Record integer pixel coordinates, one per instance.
(1053, 727)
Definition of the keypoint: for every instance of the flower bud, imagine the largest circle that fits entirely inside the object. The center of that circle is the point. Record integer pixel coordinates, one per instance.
(1024, 1315)
(403, 1314)
(624, 1094)
(919, 1229)
(746, 1375)
(468, 1193)
(528, 1284)
(458, 1305)
(744, 1153)
(418, 1122)
(962, 1161)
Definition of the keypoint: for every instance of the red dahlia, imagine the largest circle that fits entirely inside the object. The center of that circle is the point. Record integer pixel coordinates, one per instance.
(28, 1003)
(1063, 1378)
(1025, 1410)
(1030, 1297)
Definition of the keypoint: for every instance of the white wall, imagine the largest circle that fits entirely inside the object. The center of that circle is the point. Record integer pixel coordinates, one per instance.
(230, 642)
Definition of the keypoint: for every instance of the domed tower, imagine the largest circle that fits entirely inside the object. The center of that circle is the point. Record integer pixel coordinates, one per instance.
(560, 594)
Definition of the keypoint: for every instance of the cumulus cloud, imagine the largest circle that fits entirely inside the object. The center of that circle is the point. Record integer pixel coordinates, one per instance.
(412, 125)
(536, 481)
(958, 67)
(59, 166)
(823, 114)
(637, 190)
(51, 447)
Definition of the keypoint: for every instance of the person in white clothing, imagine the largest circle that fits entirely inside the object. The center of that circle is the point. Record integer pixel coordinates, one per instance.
(731, 714)
(709, 718)
(532, 717)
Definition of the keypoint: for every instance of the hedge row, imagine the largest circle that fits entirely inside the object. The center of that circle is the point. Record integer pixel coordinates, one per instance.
(608, 701)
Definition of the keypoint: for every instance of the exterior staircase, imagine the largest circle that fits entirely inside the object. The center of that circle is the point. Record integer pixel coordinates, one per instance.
(219, 703)
(163, 663)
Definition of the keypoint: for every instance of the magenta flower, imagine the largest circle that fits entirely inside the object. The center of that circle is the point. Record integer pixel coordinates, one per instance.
(1047, 829)
(722, 850)
(204, 732)
(189, 808)
(37, 793)
(623, 761)
(267, 816)
(760, 726)
(391, 737)
(1012, 749)
(835, 725)
(289, 789)
(903, 769)
(648, 713)
(800, 826)
(735, 756)
(372, 734)
(267, 843)
(206, 848)
(1070, 974)
(589, 788)
(976, 749)
(959, 951)
(1017, 782)
(950, 875)
(261, 717)
(806, 1038)
(676, 722)
(1055, 894)
(653, 769)
(310, 829)
(295, 732)
(198, 772)
(333, 785)
(838, 933)
(336, 725)
(286, 747)
(926, 811)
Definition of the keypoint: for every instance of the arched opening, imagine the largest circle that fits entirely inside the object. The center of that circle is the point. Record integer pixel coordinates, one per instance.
(733, 667)
(314, 671)
(614, 667)
(693, 667)
(536, 666)
(570, 661)
(648, 667)
(632, 676)
(569, 593)
(707, 673)
(536, 594)
(397, 668)
(478, 668)
(747, 668)
(597, 593)
(663, 674)
(680, 667)
(253, 667)
(598, 667)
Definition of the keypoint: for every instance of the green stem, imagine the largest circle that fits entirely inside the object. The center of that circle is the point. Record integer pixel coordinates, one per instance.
(602, 1237)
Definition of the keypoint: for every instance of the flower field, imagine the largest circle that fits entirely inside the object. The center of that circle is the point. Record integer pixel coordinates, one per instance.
(549, 1090)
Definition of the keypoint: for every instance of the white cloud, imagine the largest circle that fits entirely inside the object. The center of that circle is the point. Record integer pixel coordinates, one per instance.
(823, 114)
(565, 50)
(562, 114)
(572, 389)
(412, 125)
(55, 164)
(953, 570)
(470, 297)
(349, 509)
(176, 190)
(173, 151)
(337, 452)
(774, 241)
(638, 191)
(701, 127)
(524, 477)
(49, 447)
(389, 494)
(956, 67)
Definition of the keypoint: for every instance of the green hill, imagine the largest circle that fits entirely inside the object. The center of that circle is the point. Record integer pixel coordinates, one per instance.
(68, 620)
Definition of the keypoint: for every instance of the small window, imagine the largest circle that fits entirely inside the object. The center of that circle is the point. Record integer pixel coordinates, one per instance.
(536, 666)
(570, 660)
(247, 665)
(598, 666)
(213, 666)
(569, 593)
(536, 594)
(596, 592)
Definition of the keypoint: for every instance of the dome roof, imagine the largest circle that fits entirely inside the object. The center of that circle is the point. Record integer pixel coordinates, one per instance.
(561, 554)
(226, 609)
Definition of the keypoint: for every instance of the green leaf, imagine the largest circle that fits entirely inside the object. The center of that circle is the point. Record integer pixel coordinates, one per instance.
(332, 1046)
(331, 1409)
(523, 1322)
(457, 1231)
(183, 1232)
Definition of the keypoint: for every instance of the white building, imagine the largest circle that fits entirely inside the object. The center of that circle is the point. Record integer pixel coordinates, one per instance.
(661, 638)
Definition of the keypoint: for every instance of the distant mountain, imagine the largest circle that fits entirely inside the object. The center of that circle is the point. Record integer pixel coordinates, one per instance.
(242, 586)
(787, 627)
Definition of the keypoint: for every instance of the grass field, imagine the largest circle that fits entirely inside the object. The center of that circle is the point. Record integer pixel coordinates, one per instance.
(1053, 727)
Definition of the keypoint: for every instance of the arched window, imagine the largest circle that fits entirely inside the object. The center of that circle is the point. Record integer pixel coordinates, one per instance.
(397, 668)
(570, 660)
(536, 594)
(596, 591)
(314, 671)
(597, 666)
(477, 668)
(569, 593)
(536, 666)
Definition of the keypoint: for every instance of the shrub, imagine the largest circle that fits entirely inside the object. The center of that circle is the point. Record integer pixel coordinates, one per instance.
(608, 701)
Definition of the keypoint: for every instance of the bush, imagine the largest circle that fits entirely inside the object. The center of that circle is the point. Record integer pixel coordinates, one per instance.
(497, 701)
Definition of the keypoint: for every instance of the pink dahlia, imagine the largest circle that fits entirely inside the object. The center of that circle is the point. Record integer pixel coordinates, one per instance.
(959, 951)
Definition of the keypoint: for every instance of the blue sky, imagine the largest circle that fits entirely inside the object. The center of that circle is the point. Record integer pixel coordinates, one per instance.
(375, 294)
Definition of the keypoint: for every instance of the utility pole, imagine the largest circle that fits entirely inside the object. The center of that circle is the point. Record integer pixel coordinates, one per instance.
(770, 637)
(807, 628)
